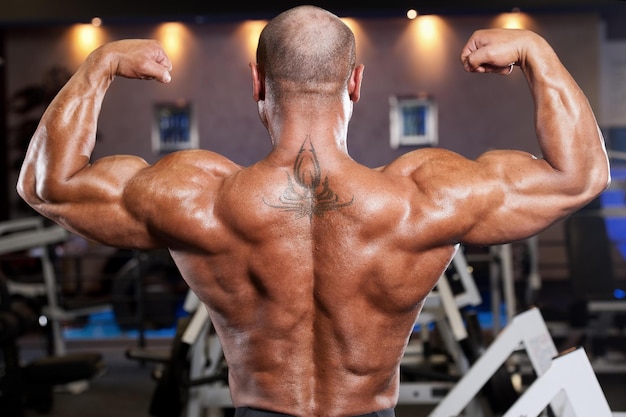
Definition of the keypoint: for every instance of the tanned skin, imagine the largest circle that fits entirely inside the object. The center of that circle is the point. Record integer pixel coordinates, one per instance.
(312, 266)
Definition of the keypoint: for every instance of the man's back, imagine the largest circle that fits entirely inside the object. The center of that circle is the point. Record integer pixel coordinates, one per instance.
(296, 253)
(313, 267)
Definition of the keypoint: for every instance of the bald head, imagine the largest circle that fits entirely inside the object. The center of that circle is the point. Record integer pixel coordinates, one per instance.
(306, 50)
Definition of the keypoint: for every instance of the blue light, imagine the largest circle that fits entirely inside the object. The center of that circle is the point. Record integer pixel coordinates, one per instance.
(619, 293)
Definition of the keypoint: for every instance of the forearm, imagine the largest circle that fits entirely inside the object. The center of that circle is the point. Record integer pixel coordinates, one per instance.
(64, 140)
(568, 134)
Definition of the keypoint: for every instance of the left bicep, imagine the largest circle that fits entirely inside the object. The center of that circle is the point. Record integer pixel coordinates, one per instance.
(502, 196)
(520, 196)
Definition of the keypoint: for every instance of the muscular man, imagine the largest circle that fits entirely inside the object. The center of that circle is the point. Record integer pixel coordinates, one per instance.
(313, 267)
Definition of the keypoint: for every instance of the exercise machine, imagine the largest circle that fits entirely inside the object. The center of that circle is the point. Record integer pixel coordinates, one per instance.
(570, 375)
(598, 315)
(33, 235)
(30, 385)
(58, 368)
(499, 259)
(567, 384)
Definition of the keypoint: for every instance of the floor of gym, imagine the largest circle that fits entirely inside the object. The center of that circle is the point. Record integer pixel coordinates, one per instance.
(126, 388)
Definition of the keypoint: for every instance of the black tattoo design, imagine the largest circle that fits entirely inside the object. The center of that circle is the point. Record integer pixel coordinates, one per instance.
(306, 194)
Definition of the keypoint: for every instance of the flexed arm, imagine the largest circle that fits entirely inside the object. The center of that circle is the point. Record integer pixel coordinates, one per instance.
(530, 193)
(57, 178)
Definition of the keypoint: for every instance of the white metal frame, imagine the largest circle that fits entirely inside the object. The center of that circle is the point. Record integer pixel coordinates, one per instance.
(31, 233)
(570, 374)
(558, 379)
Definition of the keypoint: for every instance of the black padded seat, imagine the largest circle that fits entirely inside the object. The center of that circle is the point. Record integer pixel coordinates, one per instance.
(59, 370)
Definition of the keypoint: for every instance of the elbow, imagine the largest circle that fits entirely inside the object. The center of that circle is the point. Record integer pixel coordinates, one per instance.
(580, 185)
(26, 188)
(33, 192)
(606, 181)
(599, 174)
(596, 182)
(28, 193)
(601, 177)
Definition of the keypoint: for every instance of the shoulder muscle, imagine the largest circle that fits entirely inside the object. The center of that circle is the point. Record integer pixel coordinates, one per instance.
(176, 187)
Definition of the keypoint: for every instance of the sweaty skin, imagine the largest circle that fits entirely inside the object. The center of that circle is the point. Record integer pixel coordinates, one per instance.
(312, 266)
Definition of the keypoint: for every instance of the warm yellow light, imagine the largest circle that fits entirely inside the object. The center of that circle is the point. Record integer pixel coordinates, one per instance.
(513, 20)
(85, 38)
(411, 14)
(425, 45)
(427, 29)
(172, 36)
(250, 31)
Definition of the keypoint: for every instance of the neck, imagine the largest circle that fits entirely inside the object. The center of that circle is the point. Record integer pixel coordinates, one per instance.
(325, 125)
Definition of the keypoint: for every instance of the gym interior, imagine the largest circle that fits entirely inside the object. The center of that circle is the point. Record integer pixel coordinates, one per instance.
(95, 331)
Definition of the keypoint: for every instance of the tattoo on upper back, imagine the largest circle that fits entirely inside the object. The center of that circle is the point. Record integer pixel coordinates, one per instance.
(306, 193)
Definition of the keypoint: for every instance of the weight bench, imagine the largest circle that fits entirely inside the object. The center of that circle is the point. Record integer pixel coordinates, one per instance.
(32, 385)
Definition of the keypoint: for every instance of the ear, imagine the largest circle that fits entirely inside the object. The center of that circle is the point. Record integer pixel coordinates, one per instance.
(258, 83)
(354, 83)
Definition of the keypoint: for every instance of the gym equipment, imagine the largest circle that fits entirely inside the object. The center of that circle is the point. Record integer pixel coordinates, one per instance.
(36, 379)
(571, 375)
(556, 383)
(501, 281)
(595, 311)
(32, 234)
(146, 290)
(533, 287)
(527, 329)
(465, 341)
(31, 385)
